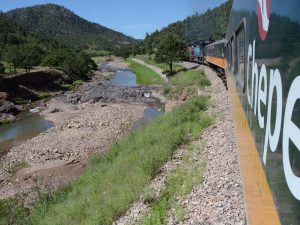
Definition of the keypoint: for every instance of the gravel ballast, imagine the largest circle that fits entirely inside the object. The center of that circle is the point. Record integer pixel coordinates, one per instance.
(220, 198)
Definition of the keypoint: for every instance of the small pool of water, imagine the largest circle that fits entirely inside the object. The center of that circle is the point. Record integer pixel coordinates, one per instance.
(149, 114)
(29, 126)
(124, 78)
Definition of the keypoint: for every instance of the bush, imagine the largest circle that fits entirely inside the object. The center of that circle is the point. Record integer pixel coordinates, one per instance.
(2, 68)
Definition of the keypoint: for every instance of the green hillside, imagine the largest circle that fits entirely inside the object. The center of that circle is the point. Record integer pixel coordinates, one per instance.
(53, 21)
(210, 25)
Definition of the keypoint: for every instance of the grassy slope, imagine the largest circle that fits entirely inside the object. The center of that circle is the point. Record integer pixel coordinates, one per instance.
(178, 184)
(186, 82)
(144, 74)
(163, 66)
(117, 179)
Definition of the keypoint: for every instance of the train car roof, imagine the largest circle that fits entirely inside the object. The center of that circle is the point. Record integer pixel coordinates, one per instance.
(223, 41)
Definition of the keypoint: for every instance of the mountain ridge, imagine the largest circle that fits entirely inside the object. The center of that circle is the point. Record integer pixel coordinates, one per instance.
(62, 24)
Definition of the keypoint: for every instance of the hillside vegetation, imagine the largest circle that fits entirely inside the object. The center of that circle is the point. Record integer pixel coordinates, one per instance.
(21, 50)
(61, 24)
(210, 25)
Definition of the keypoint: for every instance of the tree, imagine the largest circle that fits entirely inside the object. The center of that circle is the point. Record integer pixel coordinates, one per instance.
(2, 68)
(32, 55)
(123, 52)
(170, 50)
(14, 56)
(84, 65)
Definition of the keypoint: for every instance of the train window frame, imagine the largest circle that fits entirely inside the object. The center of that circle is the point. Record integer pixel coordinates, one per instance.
(241, 27)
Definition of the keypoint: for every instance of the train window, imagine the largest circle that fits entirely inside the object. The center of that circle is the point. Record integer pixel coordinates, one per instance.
(232, 54)
(240, 57)
(229, 54)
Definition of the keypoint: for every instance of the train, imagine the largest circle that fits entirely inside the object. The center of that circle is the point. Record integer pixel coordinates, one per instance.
(260, 58)
(209, 53)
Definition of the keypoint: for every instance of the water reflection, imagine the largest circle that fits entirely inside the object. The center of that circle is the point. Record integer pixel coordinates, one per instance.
(27, 127)
(124, 78)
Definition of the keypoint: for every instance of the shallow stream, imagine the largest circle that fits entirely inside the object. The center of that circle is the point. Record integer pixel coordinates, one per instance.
(30, 125)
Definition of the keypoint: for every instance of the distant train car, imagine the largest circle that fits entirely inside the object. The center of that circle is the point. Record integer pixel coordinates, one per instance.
(263, 75)
(198, 54)
(215, 55)
(191, 51)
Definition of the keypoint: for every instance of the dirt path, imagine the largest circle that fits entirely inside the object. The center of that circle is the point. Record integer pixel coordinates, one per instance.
(156, 69)
(189, 65)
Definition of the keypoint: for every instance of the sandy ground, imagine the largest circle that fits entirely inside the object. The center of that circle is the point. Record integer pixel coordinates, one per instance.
(58, 156)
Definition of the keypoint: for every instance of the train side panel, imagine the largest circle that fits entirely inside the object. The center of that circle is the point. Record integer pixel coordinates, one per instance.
(263, 55)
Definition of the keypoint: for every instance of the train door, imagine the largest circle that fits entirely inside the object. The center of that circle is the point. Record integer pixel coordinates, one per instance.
(240, 52)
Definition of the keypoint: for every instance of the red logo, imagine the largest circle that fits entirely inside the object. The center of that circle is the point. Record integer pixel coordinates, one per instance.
(263, 11)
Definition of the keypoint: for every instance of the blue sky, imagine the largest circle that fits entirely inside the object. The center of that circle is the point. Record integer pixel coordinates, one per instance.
(132, 17)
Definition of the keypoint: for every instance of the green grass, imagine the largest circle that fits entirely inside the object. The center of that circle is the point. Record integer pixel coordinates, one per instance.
(42, 95)
(186, 83)
(99, 59)
(116, 179)
(75, 84)
(178, 184)
(12, 212)
(145, 76)
(18, 166)
(165, 67)
(7, 71)
(5, 121)
(68, 86)
(21, 101)
(191, 77)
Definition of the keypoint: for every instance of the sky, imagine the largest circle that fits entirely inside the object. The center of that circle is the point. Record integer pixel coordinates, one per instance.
(131, 17)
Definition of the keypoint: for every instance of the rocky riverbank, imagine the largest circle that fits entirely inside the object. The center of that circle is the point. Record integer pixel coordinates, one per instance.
(88, 121)
(19, 92)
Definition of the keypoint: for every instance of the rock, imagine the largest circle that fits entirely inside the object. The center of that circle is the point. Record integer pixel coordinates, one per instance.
(7, 118)
(35, 110)
(3, 95)
(55, 110)
(8, 107)
(147, 95)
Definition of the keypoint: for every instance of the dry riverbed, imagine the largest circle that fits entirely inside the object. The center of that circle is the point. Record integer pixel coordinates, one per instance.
(87, 121)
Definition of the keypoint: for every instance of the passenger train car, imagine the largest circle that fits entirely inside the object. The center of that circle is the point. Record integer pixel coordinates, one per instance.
(262, 66)
(215, 55)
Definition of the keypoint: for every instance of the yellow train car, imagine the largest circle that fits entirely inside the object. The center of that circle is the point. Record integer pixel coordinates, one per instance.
(215, 55)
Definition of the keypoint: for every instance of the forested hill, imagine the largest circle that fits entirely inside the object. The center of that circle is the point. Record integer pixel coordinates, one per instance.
(12, 33)
(210, 25)
(53, 21)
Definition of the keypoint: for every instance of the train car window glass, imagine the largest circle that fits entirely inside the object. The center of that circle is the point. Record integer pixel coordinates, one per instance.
(236, 60)
(233, 55)
(230, 54)
(240, 51)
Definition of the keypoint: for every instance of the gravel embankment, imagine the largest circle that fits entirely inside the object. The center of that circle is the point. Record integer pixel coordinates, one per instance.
(219, 199)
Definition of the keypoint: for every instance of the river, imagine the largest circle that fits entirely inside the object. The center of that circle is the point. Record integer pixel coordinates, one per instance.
(30, 125)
